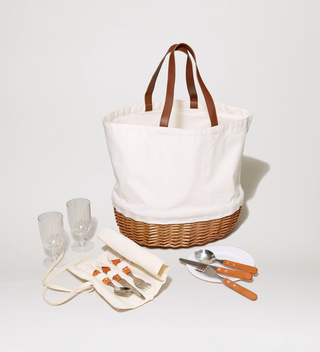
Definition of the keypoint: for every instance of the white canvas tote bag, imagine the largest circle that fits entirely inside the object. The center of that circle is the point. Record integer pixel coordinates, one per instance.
(177, 164)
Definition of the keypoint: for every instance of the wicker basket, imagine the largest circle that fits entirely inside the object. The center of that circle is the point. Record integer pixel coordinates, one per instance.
(176, 235)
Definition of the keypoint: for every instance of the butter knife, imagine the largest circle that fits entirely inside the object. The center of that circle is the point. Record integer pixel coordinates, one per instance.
(123, 282)
(223, 271)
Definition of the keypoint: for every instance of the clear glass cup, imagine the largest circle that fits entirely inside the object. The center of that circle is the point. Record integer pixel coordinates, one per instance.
(51, 233)
(79, 216)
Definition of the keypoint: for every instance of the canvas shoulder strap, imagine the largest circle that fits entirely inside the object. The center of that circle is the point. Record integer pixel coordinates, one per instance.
(83, 288)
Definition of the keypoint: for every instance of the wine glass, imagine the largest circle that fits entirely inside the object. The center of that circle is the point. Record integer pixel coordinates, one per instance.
(79, 215)
(51, 233)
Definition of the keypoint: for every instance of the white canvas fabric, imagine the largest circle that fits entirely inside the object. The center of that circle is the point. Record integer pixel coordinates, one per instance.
(186, 172)
(142, 263)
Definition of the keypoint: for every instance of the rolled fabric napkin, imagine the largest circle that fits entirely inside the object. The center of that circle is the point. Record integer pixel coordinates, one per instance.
(133, 252)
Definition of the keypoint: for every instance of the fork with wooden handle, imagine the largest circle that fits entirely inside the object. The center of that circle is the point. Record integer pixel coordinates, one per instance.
(231, 284)
(125, 269)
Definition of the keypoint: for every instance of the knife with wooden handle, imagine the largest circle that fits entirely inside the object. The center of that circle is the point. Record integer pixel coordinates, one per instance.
(240, 289)
(222, 271)
(236, 287)
(210, 271)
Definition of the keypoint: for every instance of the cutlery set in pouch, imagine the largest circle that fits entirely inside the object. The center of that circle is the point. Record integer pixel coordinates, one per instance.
(142, 263)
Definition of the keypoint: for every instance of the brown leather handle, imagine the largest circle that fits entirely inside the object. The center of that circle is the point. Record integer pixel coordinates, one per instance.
(189, 78)
(164, 122)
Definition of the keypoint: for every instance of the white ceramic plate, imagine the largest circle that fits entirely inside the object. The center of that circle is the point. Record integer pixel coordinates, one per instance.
(222, 252)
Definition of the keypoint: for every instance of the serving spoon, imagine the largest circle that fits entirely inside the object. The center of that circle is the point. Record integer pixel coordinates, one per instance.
(205, 256)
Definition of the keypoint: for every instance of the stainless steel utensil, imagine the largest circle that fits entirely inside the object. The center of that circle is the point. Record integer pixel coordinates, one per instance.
(117, 290)
(137, 281)
(123, 282)
(228, 272)
(205, 256)
(208, 270)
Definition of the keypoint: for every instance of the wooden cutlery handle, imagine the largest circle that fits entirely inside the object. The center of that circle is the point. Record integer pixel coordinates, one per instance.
(240, 289)
(106, 281)
(234, 273)
(117, 277)
(243, 267)
(105, 269)
(116, 261)
(126, 270)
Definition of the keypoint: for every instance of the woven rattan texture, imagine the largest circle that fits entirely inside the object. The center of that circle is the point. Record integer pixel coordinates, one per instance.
(176, 235)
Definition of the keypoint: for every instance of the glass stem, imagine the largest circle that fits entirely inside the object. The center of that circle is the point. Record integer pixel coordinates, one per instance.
(54, 255)
(82, 241)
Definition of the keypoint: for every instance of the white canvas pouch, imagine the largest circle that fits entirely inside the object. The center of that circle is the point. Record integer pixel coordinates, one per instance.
(142, 263)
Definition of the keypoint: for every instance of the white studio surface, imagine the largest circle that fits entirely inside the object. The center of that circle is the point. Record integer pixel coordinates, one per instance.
(64, 65)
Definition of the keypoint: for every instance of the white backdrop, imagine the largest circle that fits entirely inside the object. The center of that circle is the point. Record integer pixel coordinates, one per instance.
(64, 65)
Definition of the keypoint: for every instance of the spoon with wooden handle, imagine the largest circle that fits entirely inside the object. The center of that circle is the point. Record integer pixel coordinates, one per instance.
(205, 256)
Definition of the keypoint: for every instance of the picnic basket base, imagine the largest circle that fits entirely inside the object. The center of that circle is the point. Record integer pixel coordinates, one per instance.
(175, 235)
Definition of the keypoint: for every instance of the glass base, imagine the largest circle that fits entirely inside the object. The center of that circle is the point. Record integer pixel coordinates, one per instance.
(87, 246)
(47, 262)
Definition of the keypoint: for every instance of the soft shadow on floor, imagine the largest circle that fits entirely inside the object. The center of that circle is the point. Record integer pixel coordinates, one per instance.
(253, 171)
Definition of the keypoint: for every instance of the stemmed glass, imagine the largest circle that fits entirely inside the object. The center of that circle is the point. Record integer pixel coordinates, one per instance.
(51, 233)
(79, 215)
